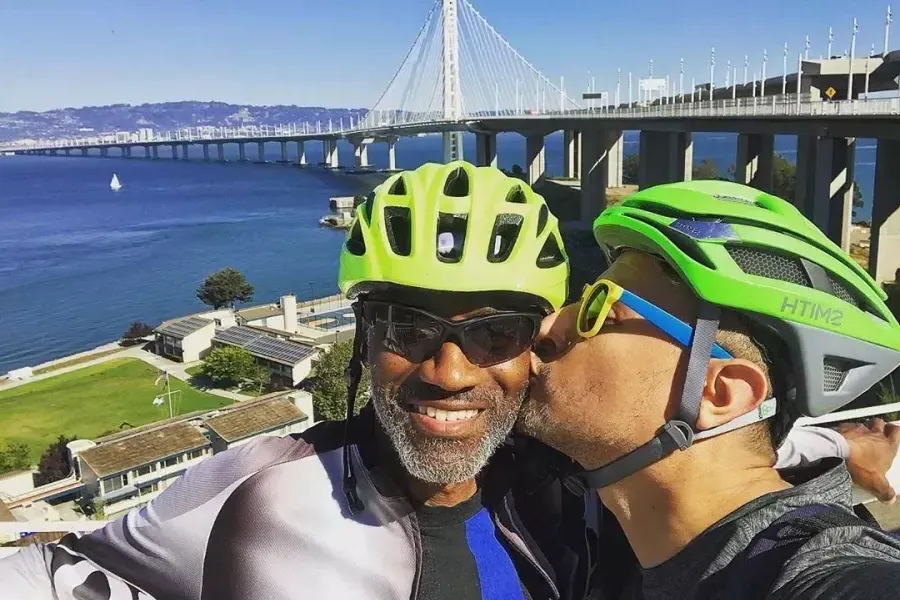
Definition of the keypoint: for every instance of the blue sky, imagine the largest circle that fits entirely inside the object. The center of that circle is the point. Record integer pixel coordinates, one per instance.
(59, 53)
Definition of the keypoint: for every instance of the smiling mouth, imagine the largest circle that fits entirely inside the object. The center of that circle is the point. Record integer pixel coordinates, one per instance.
(440, 414)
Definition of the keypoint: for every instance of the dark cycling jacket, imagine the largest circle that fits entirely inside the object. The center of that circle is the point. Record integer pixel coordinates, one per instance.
(267, 520)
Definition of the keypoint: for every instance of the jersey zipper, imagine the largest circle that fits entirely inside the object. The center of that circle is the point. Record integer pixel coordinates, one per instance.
(519, 544)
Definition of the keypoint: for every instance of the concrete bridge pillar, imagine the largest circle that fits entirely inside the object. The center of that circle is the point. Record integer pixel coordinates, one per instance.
(666, 157)
(599, 155)
(146, 151)
(571, 153)
(184, 151)
(824, 188)
(361, 155)
(155, 152)
(301, 153)
(84, 151)
(486, 149)
(104, 152)
(453, 146)
(331, 150)
(534, 158)
(53, 152)
(392, 154)
(284, 157)
(261, 152)
(755, 154)
(616, 162)
(220, 151)
(68, 152)
(174, 151)
(884, 252)
(205, 151)
(242, 152)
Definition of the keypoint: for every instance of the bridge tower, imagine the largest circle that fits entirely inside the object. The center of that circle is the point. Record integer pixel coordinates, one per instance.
(450, 67)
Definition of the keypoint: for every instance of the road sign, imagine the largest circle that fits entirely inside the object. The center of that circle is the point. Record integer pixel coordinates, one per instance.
(830, 92)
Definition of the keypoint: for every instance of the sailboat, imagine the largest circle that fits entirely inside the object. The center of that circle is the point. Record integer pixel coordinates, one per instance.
(114, 185)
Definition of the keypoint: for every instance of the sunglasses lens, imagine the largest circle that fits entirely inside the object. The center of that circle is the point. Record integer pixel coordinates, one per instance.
(498, 338)
(408, 332)
(592, 307)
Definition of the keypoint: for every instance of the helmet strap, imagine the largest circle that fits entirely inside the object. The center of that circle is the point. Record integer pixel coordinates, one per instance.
(677, 434)
(354, 374)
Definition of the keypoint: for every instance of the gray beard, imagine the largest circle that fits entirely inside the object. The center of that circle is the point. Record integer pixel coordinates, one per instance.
(440, 460)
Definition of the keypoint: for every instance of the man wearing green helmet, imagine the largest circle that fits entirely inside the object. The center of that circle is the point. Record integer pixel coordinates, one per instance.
(724, 316)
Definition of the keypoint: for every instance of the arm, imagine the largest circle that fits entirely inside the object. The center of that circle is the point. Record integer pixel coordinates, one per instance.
(152, 553)
(806, 444)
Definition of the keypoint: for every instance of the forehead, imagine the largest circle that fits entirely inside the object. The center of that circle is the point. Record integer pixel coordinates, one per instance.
(650, 278)
(456, 305)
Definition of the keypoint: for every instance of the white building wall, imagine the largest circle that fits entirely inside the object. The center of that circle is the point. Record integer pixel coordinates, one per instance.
(195, 346)
(16, 484)
(303, 400)
(225, 318)
(301, 370)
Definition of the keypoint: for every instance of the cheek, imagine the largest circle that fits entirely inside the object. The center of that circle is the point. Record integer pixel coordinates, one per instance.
(513, 375)
(388, 369)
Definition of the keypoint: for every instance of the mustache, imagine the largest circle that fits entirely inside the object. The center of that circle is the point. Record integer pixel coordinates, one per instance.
(412, 391)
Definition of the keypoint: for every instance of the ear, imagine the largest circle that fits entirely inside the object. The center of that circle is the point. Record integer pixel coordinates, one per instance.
(733, 388)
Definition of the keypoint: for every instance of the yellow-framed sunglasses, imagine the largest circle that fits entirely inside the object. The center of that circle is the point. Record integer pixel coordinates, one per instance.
(598, 297)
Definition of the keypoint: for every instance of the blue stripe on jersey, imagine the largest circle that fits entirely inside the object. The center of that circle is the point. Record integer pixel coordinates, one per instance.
(495, 568)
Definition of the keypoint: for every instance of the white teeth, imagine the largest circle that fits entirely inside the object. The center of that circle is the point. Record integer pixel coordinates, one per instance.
(446, 415)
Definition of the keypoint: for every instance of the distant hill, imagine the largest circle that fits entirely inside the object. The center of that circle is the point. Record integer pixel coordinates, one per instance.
(91, 120)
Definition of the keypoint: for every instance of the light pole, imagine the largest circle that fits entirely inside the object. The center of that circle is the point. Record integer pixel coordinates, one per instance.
(887, 29)
(784, 72)
(618, 87)
(630, 96)
(762, 91)
(712, 72)
(746, 65)
(850, 61)
(681, 81)
(830, 40)
(806, 56)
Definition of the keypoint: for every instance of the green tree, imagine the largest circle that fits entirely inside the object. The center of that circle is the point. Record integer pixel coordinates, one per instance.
(262, 378)
(229, 365)
(707, 169)
(14, 457)
(137, 330)
(225, 288)
(784, 175)
(55, 463)
(330, 384)
(630, 169)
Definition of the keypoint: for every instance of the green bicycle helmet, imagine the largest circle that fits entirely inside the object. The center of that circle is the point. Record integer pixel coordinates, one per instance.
(456, 228)
(742, 249)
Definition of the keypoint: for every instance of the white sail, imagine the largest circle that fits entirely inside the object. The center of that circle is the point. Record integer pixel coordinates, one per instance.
(114, 184)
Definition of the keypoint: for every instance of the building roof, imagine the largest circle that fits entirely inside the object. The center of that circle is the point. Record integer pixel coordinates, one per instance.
(264, 346)
(240, 423)
(259, 312)
(129, 452)
(181, 328)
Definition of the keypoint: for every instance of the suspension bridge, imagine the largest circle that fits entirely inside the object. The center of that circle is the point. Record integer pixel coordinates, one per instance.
(462, 75)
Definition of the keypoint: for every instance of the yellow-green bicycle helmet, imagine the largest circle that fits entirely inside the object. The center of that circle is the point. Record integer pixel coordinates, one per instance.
(456, 228)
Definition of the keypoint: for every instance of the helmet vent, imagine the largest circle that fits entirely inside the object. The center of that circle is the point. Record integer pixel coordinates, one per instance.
(543, 215)
(517, 195)
(550, 255)
(834, 373)
(734, 199)
(769, 265)
(457, 184)
(398, 229)
(503, 237)
(451, 237)
(370, 205)
(398, 188)
(356, 245)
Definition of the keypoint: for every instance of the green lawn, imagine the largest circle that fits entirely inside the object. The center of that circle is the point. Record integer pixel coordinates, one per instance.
(90, 401)
(199, 381)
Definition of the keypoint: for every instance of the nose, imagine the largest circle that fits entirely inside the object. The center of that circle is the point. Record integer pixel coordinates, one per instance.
(558, 333)
(449, 369)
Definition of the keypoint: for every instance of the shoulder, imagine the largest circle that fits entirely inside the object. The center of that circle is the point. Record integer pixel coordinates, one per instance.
(850, 561)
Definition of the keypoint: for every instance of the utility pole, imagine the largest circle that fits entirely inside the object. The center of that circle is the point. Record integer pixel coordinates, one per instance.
(850, 60)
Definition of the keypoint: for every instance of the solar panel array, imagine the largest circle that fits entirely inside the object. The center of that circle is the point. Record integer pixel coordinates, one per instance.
(183, 327)
(264, 346)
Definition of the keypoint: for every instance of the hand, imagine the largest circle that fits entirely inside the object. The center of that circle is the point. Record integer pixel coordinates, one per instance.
(872, 451)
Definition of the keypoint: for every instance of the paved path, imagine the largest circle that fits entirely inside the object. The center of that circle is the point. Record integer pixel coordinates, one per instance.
(175, 369)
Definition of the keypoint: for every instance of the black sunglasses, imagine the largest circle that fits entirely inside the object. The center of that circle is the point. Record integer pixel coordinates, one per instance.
(417, 335)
